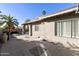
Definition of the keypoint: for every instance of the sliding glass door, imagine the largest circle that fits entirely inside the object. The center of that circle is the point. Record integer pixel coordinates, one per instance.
(73, 29)
(66, 28)
(77, 28)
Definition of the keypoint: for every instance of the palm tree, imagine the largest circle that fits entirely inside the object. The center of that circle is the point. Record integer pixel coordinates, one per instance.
(9, 22)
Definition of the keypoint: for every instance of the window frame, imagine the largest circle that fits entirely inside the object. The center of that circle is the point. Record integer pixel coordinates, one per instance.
(36, 27)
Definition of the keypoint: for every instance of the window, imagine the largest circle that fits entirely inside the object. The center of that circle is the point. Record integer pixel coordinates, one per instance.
(73, 27)
(67, 28)
(63, 28)
(58, 28)
(77, 28)
(36, 27)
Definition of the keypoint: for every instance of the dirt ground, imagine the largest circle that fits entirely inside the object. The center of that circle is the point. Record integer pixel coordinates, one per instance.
(23, 45)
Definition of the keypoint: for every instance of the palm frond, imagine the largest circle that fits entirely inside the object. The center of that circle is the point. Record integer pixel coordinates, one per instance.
(9, 20)
(1, 23)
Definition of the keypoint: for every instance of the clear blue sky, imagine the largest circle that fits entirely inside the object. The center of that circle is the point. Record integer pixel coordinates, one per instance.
(23, 11)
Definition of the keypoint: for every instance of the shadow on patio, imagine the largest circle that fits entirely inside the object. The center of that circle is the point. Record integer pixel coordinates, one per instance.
(19, 47)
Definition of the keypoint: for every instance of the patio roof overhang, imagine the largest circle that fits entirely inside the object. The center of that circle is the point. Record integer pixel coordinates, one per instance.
(75, 8)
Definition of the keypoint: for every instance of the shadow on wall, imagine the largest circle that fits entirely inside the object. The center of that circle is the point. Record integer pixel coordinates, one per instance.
(19, 47)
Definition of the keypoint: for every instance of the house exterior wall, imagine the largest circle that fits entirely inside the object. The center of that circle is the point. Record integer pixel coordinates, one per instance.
(47, 30)
(30, 30)
(66, 41)
(39, 32)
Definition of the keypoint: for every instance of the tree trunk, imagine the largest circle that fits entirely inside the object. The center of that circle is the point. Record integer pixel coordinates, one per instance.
(8, 33)
(8, 36)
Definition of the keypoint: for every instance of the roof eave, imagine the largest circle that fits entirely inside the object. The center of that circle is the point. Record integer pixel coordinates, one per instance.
(56, 14)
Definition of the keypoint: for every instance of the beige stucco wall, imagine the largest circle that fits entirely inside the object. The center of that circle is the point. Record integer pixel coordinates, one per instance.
(68, 42)
(47, 29)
